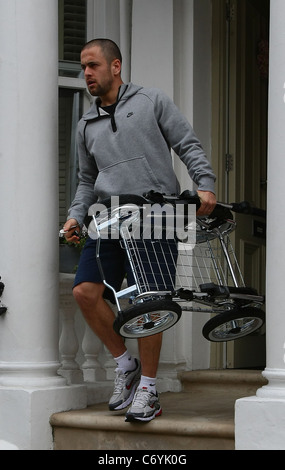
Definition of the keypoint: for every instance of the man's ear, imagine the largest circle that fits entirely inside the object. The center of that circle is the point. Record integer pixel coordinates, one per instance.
(116, 67)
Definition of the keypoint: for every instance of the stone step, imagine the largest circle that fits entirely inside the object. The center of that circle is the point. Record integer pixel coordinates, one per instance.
(200, 417)
(239, 382)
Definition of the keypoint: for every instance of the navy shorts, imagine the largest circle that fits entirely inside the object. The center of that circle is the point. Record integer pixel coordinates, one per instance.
(154, 264)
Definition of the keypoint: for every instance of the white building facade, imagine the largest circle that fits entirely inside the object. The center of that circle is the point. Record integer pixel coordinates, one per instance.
(43, 368)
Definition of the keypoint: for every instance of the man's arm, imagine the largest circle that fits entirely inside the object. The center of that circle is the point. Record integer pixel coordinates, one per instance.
(183, 140)
(88, 172)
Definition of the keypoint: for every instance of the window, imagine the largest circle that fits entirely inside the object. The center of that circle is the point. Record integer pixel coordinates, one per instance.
(72, 36)
(72, 29)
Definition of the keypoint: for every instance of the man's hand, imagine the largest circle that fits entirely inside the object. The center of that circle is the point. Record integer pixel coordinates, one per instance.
(71, 231)
(208, 202)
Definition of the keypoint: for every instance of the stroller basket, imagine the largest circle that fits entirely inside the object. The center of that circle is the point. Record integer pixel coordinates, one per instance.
(194, 267)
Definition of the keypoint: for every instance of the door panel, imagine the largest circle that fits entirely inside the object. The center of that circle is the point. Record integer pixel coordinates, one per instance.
(243, 27)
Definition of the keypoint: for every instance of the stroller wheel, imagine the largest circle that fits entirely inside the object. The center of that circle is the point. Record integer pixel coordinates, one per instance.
(234, 324)
(147, 318)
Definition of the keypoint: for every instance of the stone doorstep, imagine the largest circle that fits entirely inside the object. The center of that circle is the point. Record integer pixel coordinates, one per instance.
(201, 416)
(185, 423)
(242, 381)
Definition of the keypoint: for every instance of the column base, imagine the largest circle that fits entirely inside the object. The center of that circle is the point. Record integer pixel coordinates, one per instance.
(276, 384)
(25, 414)
(260, 424)
(260, 420)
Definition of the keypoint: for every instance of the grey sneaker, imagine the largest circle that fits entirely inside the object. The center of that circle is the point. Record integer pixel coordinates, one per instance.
(145, 406)
(125, 387)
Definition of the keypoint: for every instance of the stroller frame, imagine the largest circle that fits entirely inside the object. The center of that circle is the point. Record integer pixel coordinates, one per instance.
(207, 278)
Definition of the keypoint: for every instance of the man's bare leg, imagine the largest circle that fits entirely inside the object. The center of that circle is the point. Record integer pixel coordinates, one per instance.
(149, 349)
(99, 315)
(145, 405)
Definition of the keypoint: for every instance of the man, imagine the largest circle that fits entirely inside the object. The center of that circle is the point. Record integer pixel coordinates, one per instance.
(124, 144)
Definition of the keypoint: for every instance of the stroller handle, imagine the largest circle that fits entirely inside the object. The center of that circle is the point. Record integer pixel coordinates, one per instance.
(245, 207)
(191, 197)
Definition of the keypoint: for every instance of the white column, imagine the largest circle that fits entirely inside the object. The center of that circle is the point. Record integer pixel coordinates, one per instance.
(152, 44)
(30, 389)
(260, 420)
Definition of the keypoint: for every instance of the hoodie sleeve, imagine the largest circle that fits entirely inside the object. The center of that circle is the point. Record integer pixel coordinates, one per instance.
(88, 172)
(182, 139)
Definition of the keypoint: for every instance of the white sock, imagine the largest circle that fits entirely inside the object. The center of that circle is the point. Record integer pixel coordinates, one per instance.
(126, 362)
(149, 383)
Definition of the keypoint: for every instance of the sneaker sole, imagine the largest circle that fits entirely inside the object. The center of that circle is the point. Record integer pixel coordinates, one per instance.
(131, 418)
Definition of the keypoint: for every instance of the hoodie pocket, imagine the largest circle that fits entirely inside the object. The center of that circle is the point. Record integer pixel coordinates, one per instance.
(133, 176)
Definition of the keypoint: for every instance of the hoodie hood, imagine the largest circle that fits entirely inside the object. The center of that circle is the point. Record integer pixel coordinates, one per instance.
(125, 92)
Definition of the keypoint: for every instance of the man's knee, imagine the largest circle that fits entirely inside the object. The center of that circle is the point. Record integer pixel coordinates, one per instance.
(87, 292)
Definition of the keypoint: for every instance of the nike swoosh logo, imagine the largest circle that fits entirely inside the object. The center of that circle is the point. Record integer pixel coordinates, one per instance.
(130, 384)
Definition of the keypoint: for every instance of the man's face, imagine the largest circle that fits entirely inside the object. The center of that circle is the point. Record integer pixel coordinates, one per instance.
(97, 71)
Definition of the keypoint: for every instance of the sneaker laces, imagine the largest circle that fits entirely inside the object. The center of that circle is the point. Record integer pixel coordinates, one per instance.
(141, 397)
(119, 380)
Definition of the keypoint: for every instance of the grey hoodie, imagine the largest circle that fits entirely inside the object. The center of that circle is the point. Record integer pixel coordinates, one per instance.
(128, 152)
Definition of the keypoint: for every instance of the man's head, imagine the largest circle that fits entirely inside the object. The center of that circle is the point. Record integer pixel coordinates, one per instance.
(108, 47)
(101, 61)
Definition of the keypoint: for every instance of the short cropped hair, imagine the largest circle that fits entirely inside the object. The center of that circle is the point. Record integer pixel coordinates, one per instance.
(108, 47)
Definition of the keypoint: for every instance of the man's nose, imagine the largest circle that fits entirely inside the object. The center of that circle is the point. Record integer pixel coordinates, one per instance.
(87, 71)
